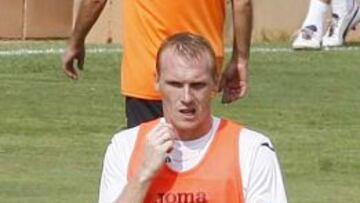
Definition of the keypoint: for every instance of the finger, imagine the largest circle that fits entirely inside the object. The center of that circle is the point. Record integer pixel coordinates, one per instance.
(231, 95)
(169, 150)
(80, 63)
(225, 97)
(235, 91)
(243, 90)
(153, 133)
(166, 146)
(164, 137)
(172, 130)
(234, 97)
(70, 71)
(169, 127)
(68, 67)
(243, 73)
(160, 134)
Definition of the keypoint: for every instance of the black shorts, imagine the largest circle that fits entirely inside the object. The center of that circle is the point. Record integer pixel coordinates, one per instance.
(141, 110)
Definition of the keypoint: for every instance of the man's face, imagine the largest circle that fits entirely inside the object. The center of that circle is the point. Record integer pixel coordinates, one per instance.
(186, 88)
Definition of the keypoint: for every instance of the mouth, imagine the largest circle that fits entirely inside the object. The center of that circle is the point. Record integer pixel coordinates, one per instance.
(188, 112)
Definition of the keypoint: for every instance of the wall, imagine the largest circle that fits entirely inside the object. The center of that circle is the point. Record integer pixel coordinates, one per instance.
(43, 19)
(48, 18)
(35, 19)
(12, 11)
(278, 19)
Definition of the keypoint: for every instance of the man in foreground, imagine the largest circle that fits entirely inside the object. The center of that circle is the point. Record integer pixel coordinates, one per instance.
(145, 24)
(190, 155)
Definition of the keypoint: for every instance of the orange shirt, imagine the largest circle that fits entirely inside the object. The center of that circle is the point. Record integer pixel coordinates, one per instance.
(148, 22)
(215, 179)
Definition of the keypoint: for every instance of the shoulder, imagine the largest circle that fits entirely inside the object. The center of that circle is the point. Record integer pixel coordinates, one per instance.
(127, 138)
(249, 139)
(253, 139)
(123, 142)
(115, 164)
(260, 169)
(119, 151)
(254, 146)
(256, 154)
(125, 135)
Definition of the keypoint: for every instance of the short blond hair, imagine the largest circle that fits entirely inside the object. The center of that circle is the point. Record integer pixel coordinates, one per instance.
(191, 47)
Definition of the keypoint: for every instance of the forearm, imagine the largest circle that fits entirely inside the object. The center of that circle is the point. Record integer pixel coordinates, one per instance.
(89, 12)
(242, 22)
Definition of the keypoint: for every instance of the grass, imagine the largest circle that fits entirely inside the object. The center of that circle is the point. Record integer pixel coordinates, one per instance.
(53, 131)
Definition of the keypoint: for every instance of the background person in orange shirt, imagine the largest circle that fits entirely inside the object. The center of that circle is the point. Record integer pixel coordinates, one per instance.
(146, 24)
(208, 159)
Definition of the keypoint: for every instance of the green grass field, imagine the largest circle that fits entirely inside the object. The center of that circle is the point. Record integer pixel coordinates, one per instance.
(53, 131)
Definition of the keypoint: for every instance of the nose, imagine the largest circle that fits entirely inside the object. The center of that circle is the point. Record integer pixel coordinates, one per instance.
(187, 96)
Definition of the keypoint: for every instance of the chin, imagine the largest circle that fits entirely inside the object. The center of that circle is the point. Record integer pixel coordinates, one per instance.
(185, 125)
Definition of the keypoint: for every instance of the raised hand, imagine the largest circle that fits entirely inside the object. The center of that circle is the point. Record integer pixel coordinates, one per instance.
(158, 142)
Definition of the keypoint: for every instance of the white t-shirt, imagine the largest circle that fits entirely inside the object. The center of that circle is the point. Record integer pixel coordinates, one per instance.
(260, 172)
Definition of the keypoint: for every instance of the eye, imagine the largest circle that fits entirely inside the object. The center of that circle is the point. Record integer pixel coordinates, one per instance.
(198, 85)
(174, 84)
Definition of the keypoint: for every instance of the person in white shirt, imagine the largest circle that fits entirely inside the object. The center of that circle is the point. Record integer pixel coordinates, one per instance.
(345, 16)
(190, 155)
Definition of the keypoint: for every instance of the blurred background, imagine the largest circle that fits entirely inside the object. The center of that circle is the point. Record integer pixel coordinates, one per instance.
(275, 20)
